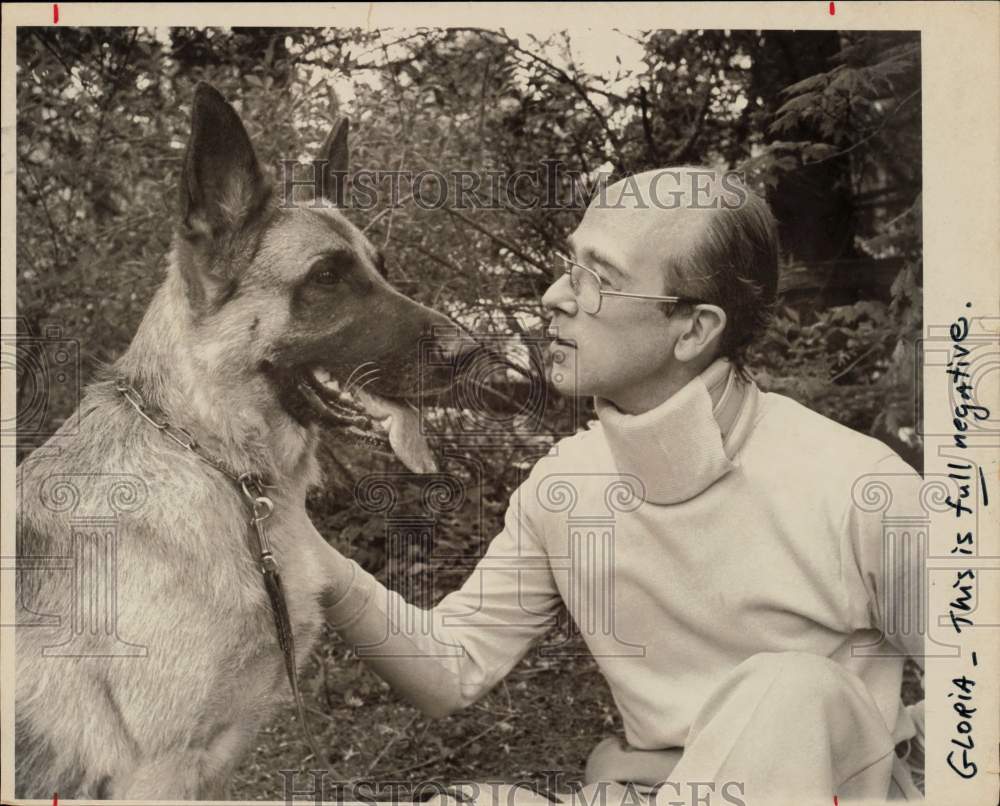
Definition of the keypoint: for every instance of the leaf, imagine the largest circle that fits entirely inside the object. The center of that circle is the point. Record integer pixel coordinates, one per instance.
(814, 83)
(350, 533)
(851, 82)
(800, 104)
(818, 151)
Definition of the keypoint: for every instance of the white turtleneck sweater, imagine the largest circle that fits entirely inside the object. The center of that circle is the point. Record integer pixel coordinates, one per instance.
(682, 541)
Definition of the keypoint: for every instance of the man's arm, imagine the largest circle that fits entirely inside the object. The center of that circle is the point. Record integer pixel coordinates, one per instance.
(443, 659)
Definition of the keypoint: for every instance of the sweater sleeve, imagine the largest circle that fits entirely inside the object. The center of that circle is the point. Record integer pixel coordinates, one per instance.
(886, 535)
(445, 658)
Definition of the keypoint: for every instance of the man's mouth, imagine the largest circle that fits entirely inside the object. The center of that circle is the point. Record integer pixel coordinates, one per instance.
(377, 421)
(556, 341)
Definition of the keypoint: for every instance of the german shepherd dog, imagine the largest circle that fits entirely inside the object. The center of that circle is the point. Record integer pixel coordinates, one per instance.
(271, 320)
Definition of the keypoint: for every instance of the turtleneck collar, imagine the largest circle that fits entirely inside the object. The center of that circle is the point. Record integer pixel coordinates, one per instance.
(687, 443)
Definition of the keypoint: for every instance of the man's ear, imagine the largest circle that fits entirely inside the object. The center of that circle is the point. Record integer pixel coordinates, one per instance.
(701, 334)
(331, 167)
(221, 183)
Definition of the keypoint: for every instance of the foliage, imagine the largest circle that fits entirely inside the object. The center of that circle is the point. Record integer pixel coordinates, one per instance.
(864, 114)
(103, 116)
(827, 123)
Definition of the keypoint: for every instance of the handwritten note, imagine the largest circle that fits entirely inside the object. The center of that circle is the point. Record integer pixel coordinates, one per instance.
(961, 693)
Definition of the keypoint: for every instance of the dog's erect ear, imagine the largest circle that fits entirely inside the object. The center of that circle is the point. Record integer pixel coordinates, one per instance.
(221, 184)
(331, 167)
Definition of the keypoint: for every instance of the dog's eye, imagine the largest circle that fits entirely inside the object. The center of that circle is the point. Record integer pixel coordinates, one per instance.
(329, 269)
(325, 277)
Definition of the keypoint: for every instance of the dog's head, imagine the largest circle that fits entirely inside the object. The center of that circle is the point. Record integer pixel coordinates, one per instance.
(292, 297)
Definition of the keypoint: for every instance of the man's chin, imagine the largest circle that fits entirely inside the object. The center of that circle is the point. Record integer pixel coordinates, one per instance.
(562, 374)
(565, 382)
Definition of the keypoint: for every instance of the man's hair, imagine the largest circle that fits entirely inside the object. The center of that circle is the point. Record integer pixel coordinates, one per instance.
(734, 265)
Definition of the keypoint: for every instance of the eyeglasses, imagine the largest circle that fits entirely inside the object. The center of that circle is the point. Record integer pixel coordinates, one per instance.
(588, 286)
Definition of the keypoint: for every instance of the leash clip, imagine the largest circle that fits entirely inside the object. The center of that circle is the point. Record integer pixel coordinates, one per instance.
(262, 508)
(268, 563)
(252, 486)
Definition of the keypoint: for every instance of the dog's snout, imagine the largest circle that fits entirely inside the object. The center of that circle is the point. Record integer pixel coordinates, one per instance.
(460, 348)
(451, 354)
(446, 340)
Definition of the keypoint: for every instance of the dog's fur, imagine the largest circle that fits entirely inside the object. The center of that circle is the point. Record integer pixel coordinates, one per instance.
(255, 294)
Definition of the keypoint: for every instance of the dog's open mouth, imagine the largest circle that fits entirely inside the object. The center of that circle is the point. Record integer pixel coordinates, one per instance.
(376, 421)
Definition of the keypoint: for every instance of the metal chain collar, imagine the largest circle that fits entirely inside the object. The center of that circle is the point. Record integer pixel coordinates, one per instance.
(250, 484)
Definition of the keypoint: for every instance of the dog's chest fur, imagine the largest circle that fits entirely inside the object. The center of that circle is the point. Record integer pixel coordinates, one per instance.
(187, 587)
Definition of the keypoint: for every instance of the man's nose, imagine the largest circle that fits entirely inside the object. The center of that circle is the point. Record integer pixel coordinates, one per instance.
(560, 296)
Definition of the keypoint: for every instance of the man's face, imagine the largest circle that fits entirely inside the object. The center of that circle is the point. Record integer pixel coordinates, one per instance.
(624, 352)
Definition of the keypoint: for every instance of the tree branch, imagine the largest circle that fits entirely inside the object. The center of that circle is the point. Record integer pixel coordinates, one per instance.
(557, 72)
(869, 136)
(496, 238)
(652, 152)
(682, 153)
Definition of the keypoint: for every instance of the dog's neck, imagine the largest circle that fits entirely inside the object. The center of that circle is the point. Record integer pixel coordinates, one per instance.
(234, 415)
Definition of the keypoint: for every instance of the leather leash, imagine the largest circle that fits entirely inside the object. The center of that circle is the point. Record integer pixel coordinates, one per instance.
(251, 486)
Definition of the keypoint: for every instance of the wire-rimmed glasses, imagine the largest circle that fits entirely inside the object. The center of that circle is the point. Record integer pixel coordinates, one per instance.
(588, 286)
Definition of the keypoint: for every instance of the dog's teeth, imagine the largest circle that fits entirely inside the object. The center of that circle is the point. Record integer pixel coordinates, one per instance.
(326, 379)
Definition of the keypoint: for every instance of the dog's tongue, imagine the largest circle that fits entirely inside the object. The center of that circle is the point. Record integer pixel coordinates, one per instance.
(403, 425)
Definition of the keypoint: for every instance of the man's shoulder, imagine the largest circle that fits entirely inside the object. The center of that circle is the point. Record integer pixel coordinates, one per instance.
(806, 450)
(586, 449)
(577, 475)
(799, 453)
(792, 431)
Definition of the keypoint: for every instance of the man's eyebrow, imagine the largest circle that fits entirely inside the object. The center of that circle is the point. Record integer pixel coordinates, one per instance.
(597, 255)
(607, 262)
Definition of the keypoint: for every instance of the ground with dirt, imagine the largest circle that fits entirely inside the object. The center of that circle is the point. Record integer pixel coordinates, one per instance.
(545, 717)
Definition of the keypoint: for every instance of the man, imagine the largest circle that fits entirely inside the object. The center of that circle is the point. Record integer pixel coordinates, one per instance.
(738, 606)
